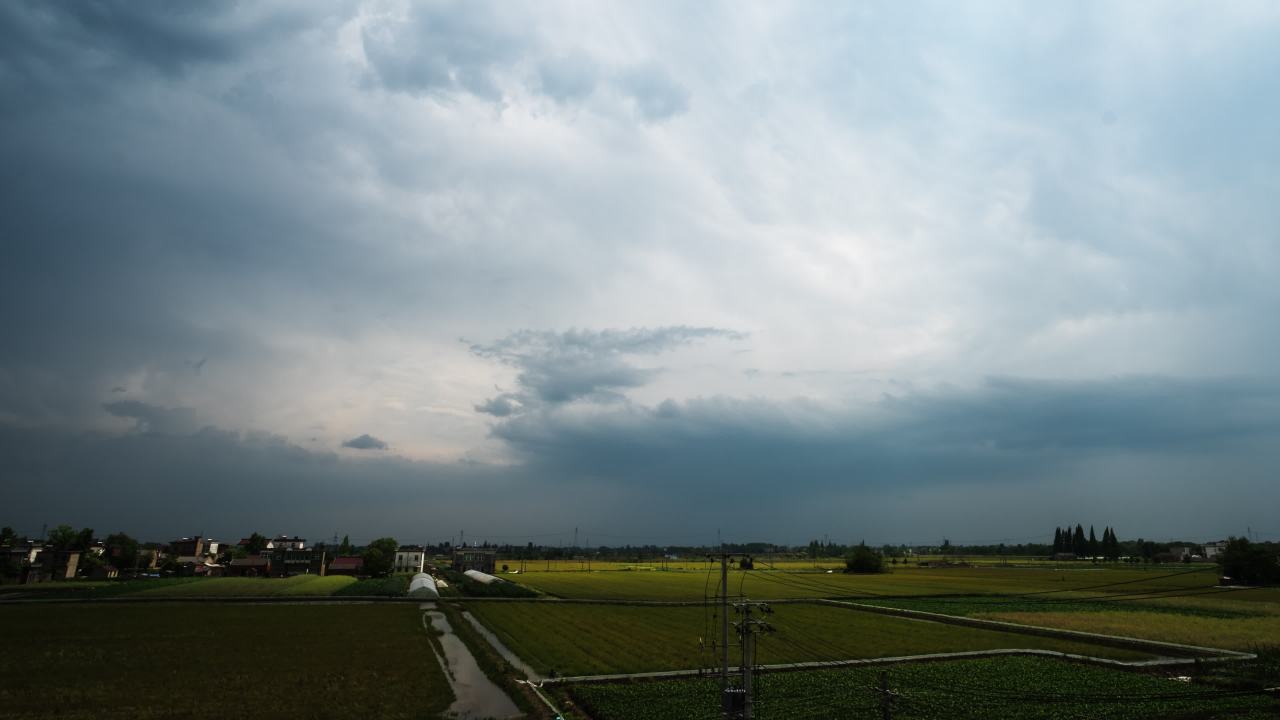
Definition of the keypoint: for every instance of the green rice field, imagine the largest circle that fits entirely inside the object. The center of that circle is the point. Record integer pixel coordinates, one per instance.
(586, 639)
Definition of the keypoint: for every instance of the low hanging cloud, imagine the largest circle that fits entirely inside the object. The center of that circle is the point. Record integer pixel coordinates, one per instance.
(561, 367)
(153, 418)
(365, 442)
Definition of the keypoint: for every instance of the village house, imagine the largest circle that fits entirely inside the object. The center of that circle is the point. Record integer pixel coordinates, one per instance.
(198, 547)
(1214, 549)
(410, 558)
(481, 559)
(287, 560)
(281, 542)
(347, 565)
(253, 566)
(51, 564)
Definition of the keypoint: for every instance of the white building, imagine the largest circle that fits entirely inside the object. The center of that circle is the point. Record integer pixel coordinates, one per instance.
(1213, 549)
(410, 558)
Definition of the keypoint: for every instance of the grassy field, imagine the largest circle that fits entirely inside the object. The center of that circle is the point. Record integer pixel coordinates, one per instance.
(583, 639)
(1013, 688)
(217, 661)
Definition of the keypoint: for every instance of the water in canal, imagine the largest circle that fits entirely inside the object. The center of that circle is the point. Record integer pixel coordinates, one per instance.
(476, 696)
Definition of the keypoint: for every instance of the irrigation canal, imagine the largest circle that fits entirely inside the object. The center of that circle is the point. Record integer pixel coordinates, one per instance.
(476, 696)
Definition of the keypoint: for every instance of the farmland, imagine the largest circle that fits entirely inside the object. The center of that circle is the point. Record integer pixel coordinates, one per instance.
(585, 639)
(1013, 687)
(299, 585)
(631, 620)
(902, 581)
(217, 661)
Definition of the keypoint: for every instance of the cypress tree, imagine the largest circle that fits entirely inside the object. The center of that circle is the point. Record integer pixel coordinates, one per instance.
(1092, 547)
(1078, 545)
(1057, 540)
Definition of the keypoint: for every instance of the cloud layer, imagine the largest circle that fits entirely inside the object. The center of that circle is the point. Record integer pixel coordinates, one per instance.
(785, 269)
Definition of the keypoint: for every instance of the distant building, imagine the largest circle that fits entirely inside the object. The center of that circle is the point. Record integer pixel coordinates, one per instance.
(104, 572)
(53, 564)
(281, 542)
(410, 558)
(465, 559)
(288, 543)
(287, 560)
(347, 565)
(253, 566)
(1214, 549)
(197, 546)
(1182, 552)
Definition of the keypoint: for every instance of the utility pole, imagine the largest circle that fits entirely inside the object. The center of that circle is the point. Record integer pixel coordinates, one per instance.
(724, 622)
(886, 696)
(747, 630)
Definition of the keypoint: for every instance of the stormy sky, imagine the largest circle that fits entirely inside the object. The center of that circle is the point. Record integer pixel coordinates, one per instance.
(892, 271)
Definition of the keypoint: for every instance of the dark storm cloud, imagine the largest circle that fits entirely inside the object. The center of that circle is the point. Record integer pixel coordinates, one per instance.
(228, 483)
(151, 418)
(1007, 431)
(777, 470)
(365, 442)
(558, 368)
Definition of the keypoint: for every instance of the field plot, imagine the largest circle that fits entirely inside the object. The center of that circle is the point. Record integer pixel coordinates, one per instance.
(89, 589)
(252, 587)
(1012, 687)
(584, 639)
(1234, 620)
(217, 661)
(902, 581)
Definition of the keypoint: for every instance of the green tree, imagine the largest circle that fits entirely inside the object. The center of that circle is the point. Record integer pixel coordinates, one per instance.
(122, 550)
(1078, 543)
(62, 537)
(380, 555)
(88, 563)
(7, 535)
(1247, 563)
(864, 560)
(345, 547)
(1092, 547)
(84, 539)
(257, 543)
(946, 546)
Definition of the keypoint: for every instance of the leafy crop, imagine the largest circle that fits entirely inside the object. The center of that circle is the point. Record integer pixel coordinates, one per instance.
(1012, 687)
(393, 586)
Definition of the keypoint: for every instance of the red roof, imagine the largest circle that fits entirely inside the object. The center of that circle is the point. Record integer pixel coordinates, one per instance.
(347, 562)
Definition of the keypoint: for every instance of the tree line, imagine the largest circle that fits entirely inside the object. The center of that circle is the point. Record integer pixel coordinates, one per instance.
(1067, 541)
